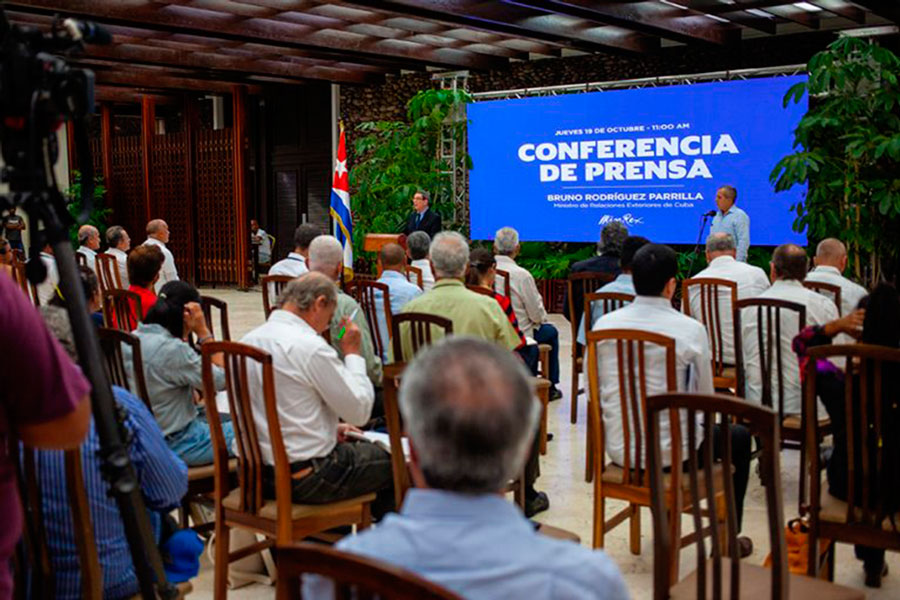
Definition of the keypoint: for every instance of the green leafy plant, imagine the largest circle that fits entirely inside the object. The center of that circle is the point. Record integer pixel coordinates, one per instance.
(552, 260)
(98, 214)
(395, 158)
(848, 151)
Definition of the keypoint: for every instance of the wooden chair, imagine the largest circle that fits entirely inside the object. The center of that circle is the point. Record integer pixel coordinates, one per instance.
(367, 293)
(108, 272)
(280, 520)
(503, 276)
(81, 259)
(580, 284)
(826, 289)
(273, 284)
(113, 342)
(480, 289)
(122, 309)
(719, 323)
(723, 574)
(416, 272)
(419, 327)
(208, 303)
(354, 576)
(863, 517)
(628, 482)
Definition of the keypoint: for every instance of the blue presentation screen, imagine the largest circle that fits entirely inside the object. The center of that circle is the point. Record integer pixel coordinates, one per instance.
(559, 168)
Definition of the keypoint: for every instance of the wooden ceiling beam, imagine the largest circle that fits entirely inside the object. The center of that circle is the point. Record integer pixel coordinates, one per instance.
(883, 8)
(841, 8)
(738, 17)
(127, 95)
(797, 15)
(165, 81)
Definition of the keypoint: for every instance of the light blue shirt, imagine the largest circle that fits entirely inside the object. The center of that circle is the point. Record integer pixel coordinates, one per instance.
(623, 284)
(481, 547)
(737, 224)
(402, 291)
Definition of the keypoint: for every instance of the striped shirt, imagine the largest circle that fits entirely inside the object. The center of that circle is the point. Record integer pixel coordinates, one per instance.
(163, 478)
(506, 305)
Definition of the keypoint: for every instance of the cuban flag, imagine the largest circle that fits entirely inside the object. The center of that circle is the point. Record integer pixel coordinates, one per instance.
(340, 206)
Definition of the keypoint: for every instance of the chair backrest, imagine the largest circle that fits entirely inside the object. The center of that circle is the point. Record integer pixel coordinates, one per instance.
(418, 326)
(774, 361)
(829, 290)
(354, 576)
(249, 456)
(113, 342)
(714, 578)
(393, 373)
(81, 259)
(871, 388)
(365, 292)
(122, 309)
(712, 314)
(273, 284)
(28, 288)
(503, 276)
(108, 272)
(578, 285)
(416, 272)
(630, 364)
(480, 289)
(609, 301)
(208, 303)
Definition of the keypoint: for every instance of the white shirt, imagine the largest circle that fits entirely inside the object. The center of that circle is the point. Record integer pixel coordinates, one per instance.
(91, 256)
(819, 311)
(47, 288)
(851, 293)
(168, 272)
(427, 275)
(294, 265)
(751, 282)
(313, 388)
(526, 300)
(693, 368)
(122, 262)
(265, 245)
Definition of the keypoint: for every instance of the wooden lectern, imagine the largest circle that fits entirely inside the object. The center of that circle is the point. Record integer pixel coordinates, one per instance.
(374, 242)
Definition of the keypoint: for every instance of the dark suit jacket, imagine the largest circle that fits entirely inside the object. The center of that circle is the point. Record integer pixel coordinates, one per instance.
(431, 223)
(596, 264)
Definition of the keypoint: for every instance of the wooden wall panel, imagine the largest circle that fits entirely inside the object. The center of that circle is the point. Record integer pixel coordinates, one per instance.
(214, 192)
(170, 201)
(127, 199)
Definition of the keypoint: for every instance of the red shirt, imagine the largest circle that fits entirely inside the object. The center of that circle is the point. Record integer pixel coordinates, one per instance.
(148, 299)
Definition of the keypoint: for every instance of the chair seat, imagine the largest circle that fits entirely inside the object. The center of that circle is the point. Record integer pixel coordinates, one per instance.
(834, 510)
(793, 422)
(269, 508)
(205, 471)
(613, 473)
(756, 582)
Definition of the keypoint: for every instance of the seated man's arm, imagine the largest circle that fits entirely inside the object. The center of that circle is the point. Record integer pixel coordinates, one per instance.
(742, 237)
(534, 304)
(345, 387)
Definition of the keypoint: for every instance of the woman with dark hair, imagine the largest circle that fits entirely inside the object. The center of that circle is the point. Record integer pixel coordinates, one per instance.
(481, 272)
(172, 370)
(6, 257)
(876, 321)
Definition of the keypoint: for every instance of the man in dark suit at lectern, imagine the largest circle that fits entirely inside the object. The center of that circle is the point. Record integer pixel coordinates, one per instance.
(423, 218)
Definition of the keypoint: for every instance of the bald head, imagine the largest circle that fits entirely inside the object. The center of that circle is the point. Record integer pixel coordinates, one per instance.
(393, 258)
(89, 236)
(326, 255)
(789, 262)
(831, 252)
(158, 230)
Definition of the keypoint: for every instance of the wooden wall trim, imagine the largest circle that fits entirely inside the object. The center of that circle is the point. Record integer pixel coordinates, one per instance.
(148, 130)
(106, 150)
(242, 227)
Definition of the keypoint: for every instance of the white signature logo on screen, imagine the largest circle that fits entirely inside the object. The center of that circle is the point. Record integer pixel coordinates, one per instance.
(626, 219)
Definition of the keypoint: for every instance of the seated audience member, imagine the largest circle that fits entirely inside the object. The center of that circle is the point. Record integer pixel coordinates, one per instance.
(877, 322)
(47, 288)
(55, 313)
(482, 272)
(654, 268)
(622, 284)
(315, 389)
(162, 476)
(158, 235)
(326, 256)
(788, 269)
(144, 265)
(470, 415)
(172, 370)
(393, 263)
(527, 301)
(751, 281)
(44, 402)
(294, 264)
(119, 244)
(475, 315)
(259, 237)
(417, 245)
(6, 258)
(831, 261)
(609, 251)
(89, 243)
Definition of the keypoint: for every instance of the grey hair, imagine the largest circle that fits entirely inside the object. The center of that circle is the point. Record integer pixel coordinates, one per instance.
(612, 237)
(449, 254)
(85, 232)
(114, 235)
(425, 195)
(506, 240)
(720, 242)
(303, 291)
(418, 243)
(325, 253)
(470, 413)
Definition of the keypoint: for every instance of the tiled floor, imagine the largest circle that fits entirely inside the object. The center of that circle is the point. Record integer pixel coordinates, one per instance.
(571, 499)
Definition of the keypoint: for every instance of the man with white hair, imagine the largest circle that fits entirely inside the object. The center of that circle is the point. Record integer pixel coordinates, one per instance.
(158, 235)
(88, 244)
(831, 261)
(417, 245)
(527, 302)
(470, 415)
(119, 244)
(326, 256)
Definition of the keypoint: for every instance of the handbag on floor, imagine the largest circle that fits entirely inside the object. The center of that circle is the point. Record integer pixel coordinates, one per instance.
(796, 536)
